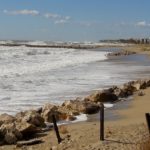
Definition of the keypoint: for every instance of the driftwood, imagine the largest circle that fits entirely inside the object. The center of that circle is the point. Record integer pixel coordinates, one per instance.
(29, 142)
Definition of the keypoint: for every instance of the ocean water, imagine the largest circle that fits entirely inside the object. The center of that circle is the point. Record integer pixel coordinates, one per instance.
(31, 77)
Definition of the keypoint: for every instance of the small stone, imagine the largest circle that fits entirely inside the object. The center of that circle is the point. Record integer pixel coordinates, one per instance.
(141, 93)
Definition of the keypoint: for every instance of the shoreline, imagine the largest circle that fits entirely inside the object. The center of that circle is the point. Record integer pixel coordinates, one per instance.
(126, 117)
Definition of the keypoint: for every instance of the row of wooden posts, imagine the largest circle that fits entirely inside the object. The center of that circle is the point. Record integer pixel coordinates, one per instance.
(147, 115)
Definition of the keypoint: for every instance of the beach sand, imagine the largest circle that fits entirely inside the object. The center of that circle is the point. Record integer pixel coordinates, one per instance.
(130, 131)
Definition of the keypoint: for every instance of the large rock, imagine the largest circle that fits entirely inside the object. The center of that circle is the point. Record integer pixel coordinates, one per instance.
(48, 110)
(5, 118)
(9, 133)
(141, 84)
(102, 96)
(26, 128)
(147, 82)
(31, 117)
(81, 106)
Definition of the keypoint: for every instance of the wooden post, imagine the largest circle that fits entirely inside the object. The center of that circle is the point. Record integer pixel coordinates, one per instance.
(102, 122)
(147, 115)
(56, 129)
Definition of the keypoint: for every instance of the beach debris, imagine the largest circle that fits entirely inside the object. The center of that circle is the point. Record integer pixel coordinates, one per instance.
(29, 142)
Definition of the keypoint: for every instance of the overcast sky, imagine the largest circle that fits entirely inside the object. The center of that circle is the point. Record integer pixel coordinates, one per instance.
(74, 20)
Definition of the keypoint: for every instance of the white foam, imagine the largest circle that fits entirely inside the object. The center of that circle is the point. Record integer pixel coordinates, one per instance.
(108, 105)
(36, 43)
(79, 118)
(54, 58)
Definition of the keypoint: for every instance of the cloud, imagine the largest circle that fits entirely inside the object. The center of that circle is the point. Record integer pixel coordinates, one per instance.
(142, 24)
(58, 19)
(61, 21)
(86, 23)
(51, 15)
(22, 12)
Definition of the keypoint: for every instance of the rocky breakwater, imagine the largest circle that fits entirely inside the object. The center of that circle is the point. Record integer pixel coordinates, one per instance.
(28, 123)
(120, 53)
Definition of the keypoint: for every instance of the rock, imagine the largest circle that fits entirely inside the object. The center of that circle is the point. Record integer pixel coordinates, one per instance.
(102, 96)
(26, 128)
(120, 93)
(10, 138)
(137, 86)
(31, 117)
(11, 128)
(86, 107)
(48, 110)
(141, 93)
(121, 53)
(9, 133)
(5, 118)
(147, 81)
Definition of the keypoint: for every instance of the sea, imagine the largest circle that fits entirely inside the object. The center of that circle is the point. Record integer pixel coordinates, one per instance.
(33, 76)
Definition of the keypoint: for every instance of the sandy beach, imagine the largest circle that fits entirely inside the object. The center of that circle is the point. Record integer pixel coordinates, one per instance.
(130, 131)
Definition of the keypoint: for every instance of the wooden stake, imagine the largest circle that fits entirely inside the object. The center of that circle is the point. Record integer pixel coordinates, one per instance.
(147, 115)
(102, 122)
(56, 129)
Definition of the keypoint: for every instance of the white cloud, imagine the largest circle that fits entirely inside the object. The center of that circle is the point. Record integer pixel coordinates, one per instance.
(67, 17)
(142, 24)
(22, 12)
(61, 21)
(50, 15)
(57, 19)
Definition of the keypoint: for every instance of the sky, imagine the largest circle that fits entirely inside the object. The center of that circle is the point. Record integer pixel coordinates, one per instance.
(74, 20)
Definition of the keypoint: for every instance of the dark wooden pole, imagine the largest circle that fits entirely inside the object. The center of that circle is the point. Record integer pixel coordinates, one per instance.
(102, 122)
(147, 115)
(56, 129)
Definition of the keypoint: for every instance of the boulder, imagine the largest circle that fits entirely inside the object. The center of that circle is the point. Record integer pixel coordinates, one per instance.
(86, 107)
(5, 118)
(102, 96)
(9, 133)
(32, 117)
(26, 128)
(147, 82)
(119, 93)
(48, 110)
